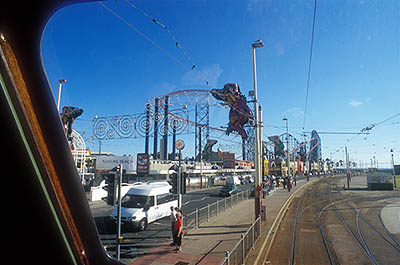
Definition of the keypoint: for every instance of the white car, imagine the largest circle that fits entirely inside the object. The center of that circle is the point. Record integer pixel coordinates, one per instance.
(146, 203)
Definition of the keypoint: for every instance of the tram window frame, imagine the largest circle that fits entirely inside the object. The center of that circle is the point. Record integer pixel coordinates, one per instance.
(37, 147)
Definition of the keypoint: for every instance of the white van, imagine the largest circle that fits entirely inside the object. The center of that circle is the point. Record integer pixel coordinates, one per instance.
(146, 203)
(232, 180)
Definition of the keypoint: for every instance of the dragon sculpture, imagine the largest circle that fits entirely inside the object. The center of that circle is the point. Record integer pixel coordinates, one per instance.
(208, 153)
(239, 113)
(278, 145)
(68, 116)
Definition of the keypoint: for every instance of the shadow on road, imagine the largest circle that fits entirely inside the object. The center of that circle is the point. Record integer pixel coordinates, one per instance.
(214, 233)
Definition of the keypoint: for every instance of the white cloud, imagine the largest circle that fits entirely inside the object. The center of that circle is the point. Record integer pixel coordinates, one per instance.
(355, 103)
(294, 112)
(199, 77)
(165, 87)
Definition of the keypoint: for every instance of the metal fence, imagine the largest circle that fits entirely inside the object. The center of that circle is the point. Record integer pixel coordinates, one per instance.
(246, 243)
(199, 216)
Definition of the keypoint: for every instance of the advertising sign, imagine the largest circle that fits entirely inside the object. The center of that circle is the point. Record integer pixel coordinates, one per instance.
(104, 163)
(143, 163)
(180, 144)
(229, 160)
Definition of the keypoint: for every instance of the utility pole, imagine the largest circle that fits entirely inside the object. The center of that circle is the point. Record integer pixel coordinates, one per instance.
(257, 138)
(180, 144)
(288, 154)
(347, 167)
(394, 172)
(179, 181)
(118, 238)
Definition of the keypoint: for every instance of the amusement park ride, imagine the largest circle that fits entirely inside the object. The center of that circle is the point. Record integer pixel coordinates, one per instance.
(176, 113)
(170, 116)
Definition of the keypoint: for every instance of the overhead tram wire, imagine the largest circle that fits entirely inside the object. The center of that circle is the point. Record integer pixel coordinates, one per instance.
(366, 130)
(373, 125)
(309, 64)
(172, 35)
(143, 35)
(193, 66)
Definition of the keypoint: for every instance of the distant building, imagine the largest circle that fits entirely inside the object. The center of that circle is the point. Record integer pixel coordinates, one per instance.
(315, 145)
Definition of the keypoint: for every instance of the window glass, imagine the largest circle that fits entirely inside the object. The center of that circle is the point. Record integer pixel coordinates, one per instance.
(163, 198)
(129, 77)
(137, 201)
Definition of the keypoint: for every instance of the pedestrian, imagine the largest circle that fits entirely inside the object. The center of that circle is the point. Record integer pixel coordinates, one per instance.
(178, 231)
(173, 220)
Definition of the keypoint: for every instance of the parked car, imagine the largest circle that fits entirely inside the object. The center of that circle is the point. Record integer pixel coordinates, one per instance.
(228, 190)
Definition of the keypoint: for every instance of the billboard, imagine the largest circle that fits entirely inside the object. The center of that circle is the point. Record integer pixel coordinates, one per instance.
(104, 163)
(229, 160)
(143, 163)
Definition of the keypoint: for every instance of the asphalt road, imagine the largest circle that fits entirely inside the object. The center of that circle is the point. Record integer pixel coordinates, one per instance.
(137, 243)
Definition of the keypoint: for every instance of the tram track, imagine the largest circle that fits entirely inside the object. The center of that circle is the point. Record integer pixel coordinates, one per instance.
(379, 249)
(306, 227)
(359, 241)
(316, 216)
(324, 209)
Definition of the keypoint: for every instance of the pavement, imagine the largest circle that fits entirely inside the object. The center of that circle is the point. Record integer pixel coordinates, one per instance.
(209, 243)
(390, 213)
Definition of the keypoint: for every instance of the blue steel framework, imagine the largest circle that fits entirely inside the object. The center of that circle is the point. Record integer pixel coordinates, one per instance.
(202, 126)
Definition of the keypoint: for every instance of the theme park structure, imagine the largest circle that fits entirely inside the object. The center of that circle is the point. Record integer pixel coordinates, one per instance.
(76, 141)
(188, 112)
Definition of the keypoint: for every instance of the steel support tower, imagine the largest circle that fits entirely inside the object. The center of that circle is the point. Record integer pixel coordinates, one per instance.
(202, 119)
(248, 144)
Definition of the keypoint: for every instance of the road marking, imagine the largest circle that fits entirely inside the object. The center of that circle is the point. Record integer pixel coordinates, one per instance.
(202, 199)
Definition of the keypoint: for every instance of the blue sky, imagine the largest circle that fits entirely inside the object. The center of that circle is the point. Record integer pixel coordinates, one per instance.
(355, 79)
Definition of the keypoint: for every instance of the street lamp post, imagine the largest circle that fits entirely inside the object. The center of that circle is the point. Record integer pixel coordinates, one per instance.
(60, 82)
(257, 136)
(287, 154)
(394, 172)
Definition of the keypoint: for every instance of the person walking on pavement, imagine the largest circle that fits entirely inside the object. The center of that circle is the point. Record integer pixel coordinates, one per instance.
(179, 231)
(173, 220)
